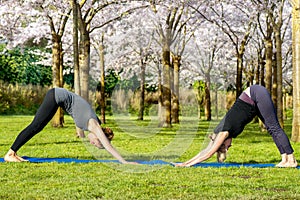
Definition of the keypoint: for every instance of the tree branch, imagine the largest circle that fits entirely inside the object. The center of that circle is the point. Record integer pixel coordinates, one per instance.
(127, 12)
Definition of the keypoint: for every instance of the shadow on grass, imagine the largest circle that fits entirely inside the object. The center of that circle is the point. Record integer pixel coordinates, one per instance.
(50, 143)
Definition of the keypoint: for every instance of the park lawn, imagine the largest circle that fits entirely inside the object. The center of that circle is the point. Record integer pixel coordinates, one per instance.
(143, 141)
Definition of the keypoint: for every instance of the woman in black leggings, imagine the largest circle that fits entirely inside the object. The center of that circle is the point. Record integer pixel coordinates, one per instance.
(80, 110)
(254, 101)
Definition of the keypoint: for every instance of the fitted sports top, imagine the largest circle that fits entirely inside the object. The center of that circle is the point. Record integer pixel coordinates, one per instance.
(79, 109)
(239, 115)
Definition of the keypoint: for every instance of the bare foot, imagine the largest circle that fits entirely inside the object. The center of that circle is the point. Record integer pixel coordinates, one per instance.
(283, 160)
(21, 159)
(12, 156)
(287, 164)
(281, 164)
(288, 161)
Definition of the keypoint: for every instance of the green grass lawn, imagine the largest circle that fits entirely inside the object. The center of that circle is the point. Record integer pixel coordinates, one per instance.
(143, 141)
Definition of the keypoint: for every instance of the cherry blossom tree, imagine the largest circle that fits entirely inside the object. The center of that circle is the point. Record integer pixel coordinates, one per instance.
(140, 41)
(145, 43)
(277, 28)
(238, 29)
(210, 61)
(38, 16)
(171, 24)
(93, 15)
(109, 23)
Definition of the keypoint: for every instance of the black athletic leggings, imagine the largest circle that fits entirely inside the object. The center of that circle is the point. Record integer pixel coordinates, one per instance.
(43, 115)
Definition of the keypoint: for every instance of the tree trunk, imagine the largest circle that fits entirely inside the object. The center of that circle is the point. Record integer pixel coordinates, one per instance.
(262, 75)
(199, 98)
(61, 68)
(216, 103)
(284, 104)
(84, 52)
(75, 7)
(58, 118)
(251, 74)
(279, 75)
(274, 83)
(240, 61)
(57, 59)
(166, 90)
(84, 63)
(207, 100)
(239, 75)
(268, 55)
(160, 98)
(175, 96)
(296, 73)
(102, 81)
(257, 71)
(268, 65)
(142, 90)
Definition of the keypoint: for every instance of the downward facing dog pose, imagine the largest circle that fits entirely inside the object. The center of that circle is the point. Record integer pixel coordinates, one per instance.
(254, 101)
(82, 113)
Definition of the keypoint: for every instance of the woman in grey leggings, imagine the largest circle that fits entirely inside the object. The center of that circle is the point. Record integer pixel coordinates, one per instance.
(254, 101)
(80, 110)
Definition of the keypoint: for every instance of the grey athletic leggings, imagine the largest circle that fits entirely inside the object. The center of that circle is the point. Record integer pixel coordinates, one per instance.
(267, 113)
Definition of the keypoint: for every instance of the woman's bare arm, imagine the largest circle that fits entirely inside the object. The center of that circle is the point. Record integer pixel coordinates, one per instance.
(208, 152)
(79, 132)
(95, 128)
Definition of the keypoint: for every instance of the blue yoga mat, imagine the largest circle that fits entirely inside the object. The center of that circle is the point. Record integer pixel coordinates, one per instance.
(146, 162)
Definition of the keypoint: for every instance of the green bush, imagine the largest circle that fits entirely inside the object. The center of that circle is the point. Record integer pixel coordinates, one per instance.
(20, 99)
(22, 66)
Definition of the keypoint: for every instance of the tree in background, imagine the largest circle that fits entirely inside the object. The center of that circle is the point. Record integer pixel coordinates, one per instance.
(57, 31)
(208, 46)
(76, 69)
(296, 70)
(276, 19)
(238, 29)
(171, 27)
(40, 15)
(276, 23)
